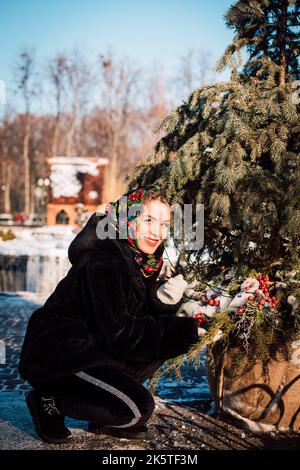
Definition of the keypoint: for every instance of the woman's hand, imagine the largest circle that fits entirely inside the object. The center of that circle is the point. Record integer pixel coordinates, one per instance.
(171, 291)
(201, 332)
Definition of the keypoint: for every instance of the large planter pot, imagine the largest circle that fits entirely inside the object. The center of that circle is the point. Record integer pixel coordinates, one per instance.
(260, 400)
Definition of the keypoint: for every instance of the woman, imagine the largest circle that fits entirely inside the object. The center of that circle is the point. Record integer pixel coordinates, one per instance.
(108, 325)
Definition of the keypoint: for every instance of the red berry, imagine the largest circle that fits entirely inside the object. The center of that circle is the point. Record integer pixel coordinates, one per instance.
(200, 318)
(217, 303)
(211, 302)
(267, 294)
(261, 302)
(251, 297)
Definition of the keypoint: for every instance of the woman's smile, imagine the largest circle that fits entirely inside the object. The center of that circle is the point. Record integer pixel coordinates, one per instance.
(150, 241)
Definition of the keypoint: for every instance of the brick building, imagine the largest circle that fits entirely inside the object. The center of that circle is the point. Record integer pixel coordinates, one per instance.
(74, 180)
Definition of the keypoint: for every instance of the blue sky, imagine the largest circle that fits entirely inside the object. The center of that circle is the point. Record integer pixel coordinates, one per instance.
(146, 31)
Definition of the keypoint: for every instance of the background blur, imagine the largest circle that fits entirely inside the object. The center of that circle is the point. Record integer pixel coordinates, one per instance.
(92, 79)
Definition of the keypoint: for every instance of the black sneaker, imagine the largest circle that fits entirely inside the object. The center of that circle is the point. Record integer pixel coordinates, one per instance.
(139, 432)
(48, 420)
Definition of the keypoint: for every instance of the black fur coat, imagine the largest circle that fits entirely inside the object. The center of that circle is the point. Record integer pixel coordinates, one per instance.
(103, 312)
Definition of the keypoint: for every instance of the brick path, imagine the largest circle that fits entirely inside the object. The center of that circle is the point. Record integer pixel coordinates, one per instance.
(14, 314)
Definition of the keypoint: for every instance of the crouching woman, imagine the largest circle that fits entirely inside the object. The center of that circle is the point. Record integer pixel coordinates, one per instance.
(108, 325)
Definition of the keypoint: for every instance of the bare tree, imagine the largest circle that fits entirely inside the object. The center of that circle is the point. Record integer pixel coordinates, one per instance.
(6, 179)
(79, 80)
(57, 74)
(155, 106)
(194, 71)
(25, 77)
(131, 102)
(11, 141)
(119, 80)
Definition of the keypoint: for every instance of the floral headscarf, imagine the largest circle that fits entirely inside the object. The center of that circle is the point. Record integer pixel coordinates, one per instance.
(124, 212)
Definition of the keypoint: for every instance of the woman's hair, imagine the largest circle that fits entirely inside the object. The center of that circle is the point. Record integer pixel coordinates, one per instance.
(154, 195)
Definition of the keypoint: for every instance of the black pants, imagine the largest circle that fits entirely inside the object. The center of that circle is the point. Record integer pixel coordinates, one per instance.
(103, 395)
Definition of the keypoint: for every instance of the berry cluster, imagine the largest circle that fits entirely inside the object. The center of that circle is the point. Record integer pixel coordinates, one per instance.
(210, 301)
(201, 318)
(261, 296)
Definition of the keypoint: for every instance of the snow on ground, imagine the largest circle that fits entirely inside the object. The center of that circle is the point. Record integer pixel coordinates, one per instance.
(42, 241)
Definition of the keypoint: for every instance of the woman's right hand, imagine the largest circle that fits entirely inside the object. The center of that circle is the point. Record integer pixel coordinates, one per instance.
(171, 291)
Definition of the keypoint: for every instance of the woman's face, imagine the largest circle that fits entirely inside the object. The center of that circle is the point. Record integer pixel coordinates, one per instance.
(152, 225)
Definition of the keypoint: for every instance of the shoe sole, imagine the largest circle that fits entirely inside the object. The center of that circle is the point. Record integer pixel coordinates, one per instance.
(34, 414)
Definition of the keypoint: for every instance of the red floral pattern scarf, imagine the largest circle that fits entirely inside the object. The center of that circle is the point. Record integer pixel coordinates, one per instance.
(129, 205)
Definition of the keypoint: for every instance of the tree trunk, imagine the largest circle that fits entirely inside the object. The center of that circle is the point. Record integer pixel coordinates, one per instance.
(111, 185)
(56, 136)
(71, 132)
(7, 204)
(26, 160)
(282, 44)
(32, 194)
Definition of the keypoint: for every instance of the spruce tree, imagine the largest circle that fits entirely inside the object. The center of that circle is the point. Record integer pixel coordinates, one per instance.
(234, 147)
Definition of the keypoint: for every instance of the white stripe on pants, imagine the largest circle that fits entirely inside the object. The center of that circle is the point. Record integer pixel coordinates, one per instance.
(116, 392)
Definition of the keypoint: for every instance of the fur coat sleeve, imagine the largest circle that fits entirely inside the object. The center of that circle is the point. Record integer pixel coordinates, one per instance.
(123, 325)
